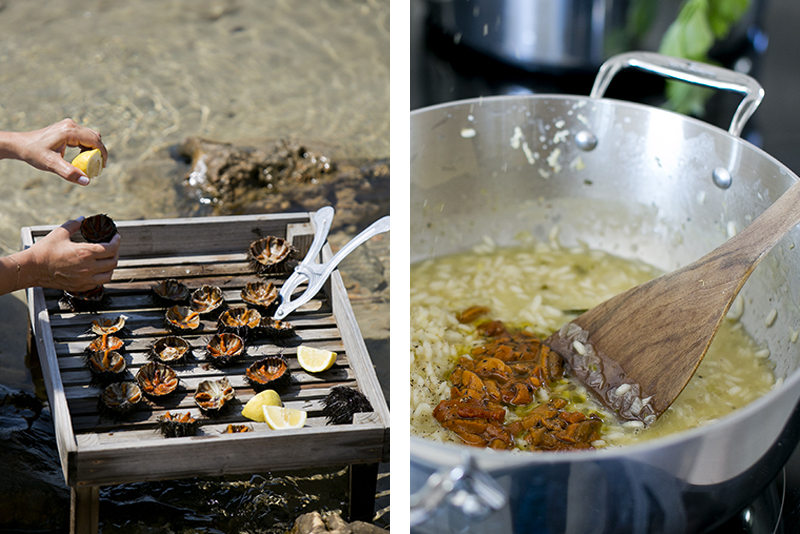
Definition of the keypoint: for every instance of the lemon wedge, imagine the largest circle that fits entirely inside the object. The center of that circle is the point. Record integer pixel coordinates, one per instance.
(315, 360)
(90, 162)
(254, 407)
(279, 418)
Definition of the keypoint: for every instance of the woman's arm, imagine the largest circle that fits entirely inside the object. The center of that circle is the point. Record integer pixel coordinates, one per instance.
(57, 262)
(44, 149)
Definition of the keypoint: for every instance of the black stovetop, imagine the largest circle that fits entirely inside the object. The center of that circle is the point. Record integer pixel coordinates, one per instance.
(442, 71)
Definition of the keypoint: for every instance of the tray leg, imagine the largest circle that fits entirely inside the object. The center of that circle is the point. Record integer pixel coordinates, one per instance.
(363, 486)
(84, 510)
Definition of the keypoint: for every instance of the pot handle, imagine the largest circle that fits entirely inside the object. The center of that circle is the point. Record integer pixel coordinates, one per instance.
(690, 72)
(464, 487)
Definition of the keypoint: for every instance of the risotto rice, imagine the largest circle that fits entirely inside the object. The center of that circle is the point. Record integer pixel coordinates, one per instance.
(540, 287)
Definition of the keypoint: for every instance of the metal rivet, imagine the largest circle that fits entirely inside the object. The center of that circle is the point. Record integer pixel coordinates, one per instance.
(722, 178)
(585, 140)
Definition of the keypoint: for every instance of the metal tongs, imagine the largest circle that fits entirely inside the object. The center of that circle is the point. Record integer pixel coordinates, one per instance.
(317, 273)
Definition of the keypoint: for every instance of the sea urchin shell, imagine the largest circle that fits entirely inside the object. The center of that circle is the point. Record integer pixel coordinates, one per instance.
(206, 299)
(157, 379)
(106, 367)
(108, 326)
(240, 321)
(91, 300)
(177, 425)
(222, 349)
(237, 429)
(272, 372)
(120, 397)
(98, 228)
(170, 291)
(182, 319)
(105, 343)
(269, 255)
(170, 349)
(275, 328)
(213, 395)
(262, 294)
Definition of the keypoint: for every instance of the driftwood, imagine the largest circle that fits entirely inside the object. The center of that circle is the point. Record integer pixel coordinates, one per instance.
(285, 176)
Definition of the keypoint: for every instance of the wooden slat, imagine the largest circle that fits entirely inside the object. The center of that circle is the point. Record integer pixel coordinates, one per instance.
(83, 401)
(137, 460)
(189, 380)
(98, 450)
(69, 353)
(197, 236)
(75, 373)
(149, 419)
(354, 344)
(40, 325)
(151, 324)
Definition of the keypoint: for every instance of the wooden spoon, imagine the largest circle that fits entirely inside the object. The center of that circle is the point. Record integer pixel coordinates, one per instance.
(638, 350)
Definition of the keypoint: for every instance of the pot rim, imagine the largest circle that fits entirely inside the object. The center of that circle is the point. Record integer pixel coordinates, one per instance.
(430, 452)
(479, 101)
(489, 456)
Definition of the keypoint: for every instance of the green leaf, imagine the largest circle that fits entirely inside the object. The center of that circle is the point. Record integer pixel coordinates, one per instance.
(723, 14)
(698, 38)
(686, 98)
(690, 35)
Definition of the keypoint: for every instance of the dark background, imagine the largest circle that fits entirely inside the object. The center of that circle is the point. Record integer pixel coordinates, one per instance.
(443, 72)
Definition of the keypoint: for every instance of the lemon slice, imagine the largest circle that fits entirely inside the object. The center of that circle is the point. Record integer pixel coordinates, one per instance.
(279, 418)
(90, 162)
(254, 407)
(315, 360)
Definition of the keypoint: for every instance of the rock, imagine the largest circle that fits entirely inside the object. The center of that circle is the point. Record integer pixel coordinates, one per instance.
(336, 524)
(311, 523)
(332, 523)
(360, 527)
(285, 176)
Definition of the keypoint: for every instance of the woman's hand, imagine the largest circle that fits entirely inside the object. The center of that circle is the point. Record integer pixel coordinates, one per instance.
(44, 149)
(58, 263)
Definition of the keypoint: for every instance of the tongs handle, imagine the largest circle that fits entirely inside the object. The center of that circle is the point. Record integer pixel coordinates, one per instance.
(318, 273)
(323, 219)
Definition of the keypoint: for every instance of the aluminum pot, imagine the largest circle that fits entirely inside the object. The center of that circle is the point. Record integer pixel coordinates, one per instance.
(638, 182)
(564, 35)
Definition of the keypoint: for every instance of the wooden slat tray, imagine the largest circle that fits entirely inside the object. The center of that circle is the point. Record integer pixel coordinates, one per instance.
(97, 450)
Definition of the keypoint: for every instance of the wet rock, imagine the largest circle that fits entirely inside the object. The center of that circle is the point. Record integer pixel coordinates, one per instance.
(360, 527)
(311, 523)
(285, 176)
(332, 523)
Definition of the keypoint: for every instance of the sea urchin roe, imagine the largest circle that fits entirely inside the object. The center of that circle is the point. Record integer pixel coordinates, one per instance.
(542, 286)
(471, 313)
(508, 370)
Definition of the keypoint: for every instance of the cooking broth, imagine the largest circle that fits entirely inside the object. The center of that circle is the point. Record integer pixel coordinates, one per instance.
(539, 287)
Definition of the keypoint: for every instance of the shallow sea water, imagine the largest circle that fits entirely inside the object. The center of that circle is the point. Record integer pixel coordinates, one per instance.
(147, 74)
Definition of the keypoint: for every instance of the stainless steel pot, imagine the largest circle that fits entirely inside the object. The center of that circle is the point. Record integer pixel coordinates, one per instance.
(638, 182)
(568, 34)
